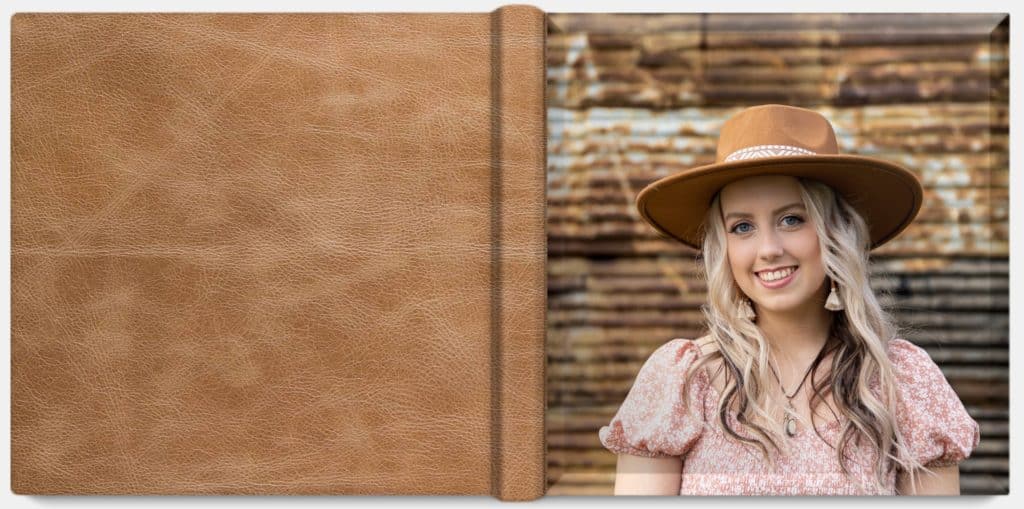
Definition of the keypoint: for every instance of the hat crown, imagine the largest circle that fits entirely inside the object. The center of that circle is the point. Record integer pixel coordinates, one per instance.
(775, 130)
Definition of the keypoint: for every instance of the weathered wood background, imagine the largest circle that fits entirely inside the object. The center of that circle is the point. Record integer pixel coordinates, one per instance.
(632, 98)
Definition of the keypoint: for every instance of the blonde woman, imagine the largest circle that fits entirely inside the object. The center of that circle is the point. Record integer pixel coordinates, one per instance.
(801, 386)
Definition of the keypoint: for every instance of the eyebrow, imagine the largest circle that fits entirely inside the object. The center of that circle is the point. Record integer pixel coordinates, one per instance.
(774, 212)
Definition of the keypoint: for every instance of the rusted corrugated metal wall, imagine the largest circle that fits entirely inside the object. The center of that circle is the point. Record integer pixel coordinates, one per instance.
(632, 98)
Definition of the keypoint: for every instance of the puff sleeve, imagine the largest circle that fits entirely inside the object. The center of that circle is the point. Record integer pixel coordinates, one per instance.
(652, 421)
(936, 426)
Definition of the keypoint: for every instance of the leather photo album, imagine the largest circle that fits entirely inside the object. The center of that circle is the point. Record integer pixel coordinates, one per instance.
(278, 253)
(400, 253)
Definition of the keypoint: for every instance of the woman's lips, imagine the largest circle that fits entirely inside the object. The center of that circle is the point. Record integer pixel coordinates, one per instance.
(778, 283)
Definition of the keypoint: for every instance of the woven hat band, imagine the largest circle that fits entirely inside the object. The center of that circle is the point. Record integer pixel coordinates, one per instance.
(760, 151)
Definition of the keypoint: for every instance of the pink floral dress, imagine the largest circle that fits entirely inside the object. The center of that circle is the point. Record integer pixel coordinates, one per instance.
(651, 422)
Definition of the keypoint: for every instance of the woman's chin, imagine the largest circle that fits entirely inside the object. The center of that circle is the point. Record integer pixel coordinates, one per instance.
(782, 306)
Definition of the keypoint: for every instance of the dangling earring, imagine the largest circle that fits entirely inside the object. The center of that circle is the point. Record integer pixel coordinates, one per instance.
(832, 303)
(746, 310)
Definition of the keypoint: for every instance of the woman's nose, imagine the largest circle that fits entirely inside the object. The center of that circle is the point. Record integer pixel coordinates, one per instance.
(771, 245)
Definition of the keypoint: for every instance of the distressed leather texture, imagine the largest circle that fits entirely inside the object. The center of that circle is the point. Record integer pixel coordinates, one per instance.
(278, 253)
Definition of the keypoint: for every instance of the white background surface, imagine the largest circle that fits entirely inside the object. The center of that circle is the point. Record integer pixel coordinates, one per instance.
(1016, 222)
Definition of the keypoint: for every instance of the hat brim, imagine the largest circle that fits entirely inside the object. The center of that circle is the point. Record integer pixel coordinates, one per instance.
(887, 195)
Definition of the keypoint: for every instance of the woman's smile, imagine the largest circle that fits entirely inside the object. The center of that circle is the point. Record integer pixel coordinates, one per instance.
(774, 279)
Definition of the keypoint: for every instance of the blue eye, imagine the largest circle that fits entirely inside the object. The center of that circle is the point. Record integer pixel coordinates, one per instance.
(798, 220)
(736, 226)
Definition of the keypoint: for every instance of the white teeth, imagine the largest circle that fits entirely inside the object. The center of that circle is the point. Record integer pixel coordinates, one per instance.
(779, 274)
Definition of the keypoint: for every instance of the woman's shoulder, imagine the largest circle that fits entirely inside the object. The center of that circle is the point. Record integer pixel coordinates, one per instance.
(673, 360)
(901, 345)
(684, 351)
(906, 356)
(916, 375)
(679, 356)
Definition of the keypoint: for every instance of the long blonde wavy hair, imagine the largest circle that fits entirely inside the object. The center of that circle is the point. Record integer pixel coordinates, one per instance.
(858, 338)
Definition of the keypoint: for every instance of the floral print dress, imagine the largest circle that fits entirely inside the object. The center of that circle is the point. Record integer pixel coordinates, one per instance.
(652, 422)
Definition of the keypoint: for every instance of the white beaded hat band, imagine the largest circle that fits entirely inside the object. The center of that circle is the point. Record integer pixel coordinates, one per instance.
(758, 151)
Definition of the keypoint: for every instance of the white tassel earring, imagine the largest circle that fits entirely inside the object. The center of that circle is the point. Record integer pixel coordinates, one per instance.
(832, 303)
(746, 310)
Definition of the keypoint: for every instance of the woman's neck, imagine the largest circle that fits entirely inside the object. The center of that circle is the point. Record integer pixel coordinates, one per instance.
(796, 337)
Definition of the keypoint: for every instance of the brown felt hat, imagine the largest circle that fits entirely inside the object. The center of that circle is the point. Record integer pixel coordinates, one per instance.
(775, 139)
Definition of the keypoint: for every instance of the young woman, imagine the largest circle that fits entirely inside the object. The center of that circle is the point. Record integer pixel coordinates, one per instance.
(801, 385)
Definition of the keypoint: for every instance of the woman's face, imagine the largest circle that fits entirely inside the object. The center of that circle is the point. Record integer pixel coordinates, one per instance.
(772, 247)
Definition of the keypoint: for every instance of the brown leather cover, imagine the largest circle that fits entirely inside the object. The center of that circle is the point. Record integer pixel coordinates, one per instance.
(278, 253)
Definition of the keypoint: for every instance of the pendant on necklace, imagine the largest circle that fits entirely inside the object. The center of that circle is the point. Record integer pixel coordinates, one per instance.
(790, 422)
(790, 426)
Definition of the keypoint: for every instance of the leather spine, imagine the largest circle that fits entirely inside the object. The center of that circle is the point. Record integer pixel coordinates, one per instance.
(518, 127)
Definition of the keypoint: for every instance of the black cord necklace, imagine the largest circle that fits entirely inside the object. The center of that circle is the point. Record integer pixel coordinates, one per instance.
(789, 421)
